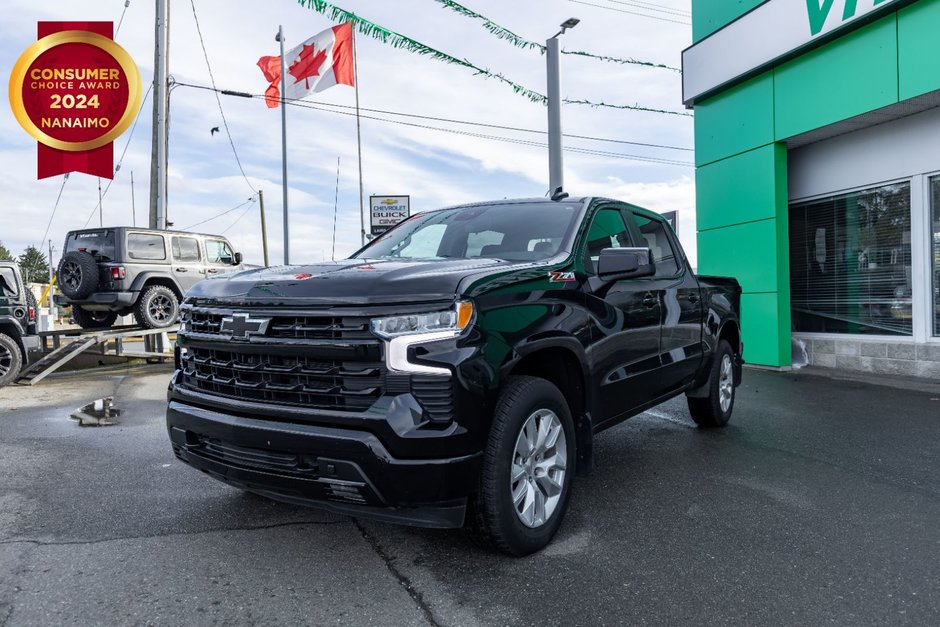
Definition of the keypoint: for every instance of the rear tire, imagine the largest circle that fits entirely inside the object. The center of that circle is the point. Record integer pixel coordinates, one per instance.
(714, 410)
(78, 275)
(157, 308)
(93, 320)
(528, 467)
(11, 360)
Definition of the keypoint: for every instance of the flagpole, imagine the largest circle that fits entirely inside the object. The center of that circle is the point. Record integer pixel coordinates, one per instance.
(280, 38)
(362, 219)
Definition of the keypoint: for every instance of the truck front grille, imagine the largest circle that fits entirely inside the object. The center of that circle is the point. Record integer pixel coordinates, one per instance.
(302, 327)
(302, 380)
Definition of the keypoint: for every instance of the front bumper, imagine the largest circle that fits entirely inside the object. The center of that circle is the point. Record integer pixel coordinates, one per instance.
(338, 469)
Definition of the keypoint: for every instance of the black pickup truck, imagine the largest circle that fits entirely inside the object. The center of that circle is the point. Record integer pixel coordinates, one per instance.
(456, 368)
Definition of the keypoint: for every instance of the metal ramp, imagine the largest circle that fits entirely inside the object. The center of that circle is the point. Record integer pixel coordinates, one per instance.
(65, 351)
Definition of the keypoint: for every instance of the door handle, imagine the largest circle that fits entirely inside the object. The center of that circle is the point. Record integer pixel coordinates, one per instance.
(211, 271)
(182, 270)
(649, 300)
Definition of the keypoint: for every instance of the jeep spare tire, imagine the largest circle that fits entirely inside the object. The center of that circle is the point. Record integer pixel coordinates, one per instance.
(78, 275)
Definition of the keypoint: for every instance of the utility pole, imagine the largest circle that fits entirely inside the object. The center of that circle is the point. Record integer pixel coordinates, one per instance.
(556, 171)
(264, 228)
(51, 277)
(158, 160)
(280, 39)
(100, 208)
(133, 202)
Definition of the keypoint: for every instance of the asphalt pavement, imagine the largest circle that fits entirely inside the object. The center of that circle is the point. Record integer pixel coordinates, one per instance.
(820, 503)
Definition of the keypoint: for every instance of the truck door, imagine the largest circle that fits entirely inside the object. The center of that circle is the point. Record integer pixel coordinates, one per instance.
(676, 288)
(624, 351)
(188, 265)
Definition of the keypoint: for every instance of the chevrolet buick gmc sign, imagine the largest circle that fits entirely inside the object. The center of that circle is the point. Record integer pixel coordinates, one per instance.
(771, 32)
(387, 211)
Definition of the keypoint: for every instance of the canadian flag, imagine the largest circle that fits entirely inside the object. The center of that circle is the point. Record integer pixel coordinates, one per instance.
(324, 60)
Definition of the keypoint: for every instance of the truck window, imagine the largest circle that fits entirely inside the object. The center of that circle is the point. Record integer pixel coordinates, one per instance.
(607, 231)
(185, 249)
(218, 251)
(654, 232)
(510, 232)
(8, 282)
(146, 246)
(100, 244)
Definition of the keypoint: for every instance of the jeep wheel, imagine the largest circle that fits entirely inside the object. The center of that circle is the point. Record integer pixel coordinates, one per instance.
(11, 360)
(157, 307)
(93, 319)
(528, 466)
(78, 275)
(715, 409)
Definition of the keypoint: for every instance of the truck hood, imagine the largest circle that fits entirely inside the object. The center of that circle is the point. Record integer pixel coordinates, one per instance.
(354, 281)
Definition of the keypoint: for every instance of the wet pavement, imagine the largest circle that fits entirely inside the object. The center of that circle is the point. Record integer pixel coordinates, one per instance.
(820, 503)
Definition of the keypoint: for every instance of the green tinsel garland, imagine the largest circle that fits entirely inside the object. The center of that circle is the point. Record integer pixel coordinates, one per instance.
(504, 33)
(397, 40)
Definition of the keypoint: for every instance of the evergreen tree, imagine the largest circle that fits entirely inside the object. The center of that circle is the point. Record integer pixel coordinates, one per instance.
(33, 266)
(5, 254)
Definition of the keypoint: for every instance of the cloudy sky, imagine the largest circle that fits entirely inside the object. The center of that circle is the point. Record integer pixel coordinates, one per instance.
(435, 167)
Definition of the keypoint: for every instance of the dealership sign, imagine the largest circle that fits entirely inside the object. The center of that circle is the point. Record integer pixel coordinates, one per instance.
(387, 211)
(75, 91)
(772, 32)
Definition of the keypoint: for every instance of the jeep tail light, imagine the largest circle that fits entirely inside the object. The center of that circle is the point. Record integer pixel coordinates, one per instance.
(32, 314)
(118, 273)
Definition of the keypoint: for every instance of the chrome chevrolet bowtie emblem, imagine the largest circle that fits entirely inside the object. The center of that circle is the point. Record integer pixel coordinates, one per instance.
(243, 326)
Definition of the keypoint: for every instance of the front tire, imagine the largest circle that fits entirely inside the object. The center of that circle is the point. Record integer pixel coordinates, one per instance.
(93, 320)
(715, 409)
(528, 467)
(157, 308)
(11, 360)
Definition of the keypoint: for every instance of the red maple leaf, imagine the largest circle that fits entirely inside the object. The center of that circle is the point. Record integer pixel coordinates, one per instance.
(307, 64)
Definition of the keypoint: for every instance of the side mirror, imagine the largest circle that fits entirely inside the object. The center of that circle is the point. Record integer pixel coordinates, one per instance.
(238, 259)
(625, 263)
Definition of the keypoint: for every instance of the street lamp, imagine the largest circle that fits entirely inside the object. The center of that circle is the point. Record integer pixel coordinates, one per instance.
(555, 166)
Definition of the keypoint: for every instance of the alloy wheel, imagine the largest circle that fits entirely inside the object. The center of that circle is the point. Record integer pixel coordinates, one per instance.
(725, 383)
(160, 308)
(71, 275)
(537, 472)
(6, 360)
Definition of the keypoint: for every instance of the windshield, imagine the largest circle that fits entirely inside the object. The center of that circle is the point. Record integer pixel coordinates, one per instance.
(513, 232)
(99, 243)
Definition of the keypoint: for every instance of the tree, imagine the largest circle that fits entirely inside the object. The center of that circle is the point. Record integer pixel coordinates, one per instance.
(5, 254)
(33, 265)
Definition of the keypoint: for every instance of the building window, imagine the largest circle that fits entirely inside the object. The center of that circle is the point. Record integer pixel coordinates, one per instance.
(935, 257)
(850, 262)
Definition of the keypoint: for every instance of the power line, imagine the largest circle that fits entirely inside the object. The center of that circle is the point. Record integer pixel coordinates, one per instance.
(448, 120)
(651, 6)
(237, 220)
(54, 207)
(510, 140)
(117, 168)
(226, 212)
(652, 17)
(219, 100)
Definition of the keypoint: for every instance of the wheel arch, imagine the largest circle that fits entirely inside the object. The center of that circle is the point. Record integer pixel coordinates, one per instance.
(561, 362)
(167, 282)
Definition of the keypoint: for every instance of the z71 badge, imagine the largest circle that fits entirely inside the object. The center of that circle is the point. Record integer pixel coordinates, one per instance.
(561, 277)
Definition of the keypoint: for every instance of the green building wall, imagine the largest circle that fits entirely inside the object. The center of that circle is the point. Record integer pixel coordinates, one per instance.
(741, 154)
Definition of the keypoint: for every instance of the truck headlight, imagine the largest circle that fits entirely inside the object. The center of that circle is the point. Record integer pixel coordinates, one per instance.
(453, 320)
(403, 332)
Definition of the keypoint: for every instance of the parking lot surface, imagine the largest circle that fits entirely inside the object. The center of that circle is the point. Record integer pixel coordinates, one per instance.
(820, 503)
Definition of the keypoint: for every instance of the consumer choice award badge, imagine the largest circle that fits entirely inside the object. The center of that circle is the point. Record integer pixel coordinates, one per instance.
(75, 91)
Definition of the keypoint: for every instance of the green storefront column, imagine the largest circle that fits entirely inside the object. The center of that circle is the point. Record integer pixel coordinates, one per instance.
(743, 232)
